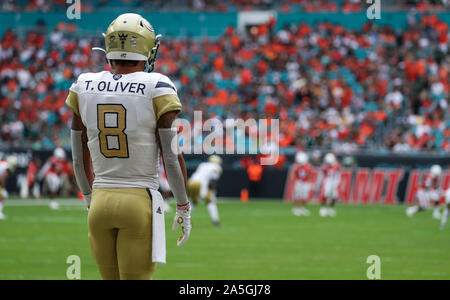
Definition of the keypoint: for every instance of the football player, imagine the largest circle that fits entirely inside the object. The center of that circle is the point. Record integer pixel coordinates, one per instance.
(428, 194)
(302, 186)
(32, 183)
(52, 172)
(6, 168)
(203, 185)
(446, 210)
(331, 177)
(122, 120)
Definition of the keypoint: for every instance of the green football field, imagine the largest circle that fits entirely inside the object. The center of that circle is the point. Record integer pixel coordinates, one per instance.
(258, 240)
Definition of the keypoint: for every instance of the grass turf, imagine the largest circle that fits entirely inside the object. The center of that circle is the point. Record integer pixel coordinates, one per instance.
(258, 240)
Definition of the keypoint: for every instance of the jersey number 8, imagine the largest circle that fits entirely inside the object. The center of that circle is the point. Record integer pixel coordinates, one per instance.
(111, 123)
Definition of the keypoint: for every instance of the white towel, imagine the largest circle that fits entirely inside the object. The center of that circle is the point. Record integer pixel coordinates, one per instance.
(159, 228)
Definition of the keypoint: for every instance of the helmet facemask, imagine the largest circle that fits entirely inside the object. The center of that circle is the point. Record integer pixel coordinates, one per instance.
(151, 60)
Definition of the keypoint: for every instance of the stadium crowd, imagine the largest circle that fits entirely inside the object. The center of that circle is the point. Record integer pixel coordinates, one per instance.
(330, 87)
(346, 6)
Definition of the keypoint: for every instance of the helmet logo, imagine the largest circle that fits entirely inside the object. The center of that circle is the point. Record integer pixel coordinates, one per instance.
(112, 41)
(123, 55)
(133, 41)
(123, 38)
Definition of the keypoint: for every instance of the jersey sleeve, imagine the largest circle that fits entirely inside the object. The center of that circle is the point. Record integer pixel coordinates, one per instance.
(216, 173)
(165, 98)
(72, 98)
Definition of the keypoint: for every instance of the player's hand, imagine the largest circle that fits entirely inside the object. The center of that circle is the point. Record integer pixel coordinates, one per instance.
(87, 198)
(4, 193)
(183, 218)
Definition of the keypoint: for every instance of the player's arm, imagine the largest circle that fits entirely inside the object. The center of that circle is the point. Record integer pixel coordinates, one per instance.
(213, 184)
(3, 184)
(174, 164)
(80, 153)
(183, 169)
(81, 158)
(3, 179)
(44, 170)
(175, 172)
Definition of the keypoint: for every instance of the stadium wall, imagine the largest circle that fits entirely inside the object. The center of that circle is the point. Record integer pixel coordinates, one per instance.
(210, 24)
(167, 23)
(373, 179)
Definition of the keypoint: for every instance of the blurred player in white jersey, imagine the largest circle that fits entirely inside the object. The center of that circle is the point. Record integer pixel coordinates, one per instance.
(6, 168)
(302, 185)
(122, 120)
(203, 185)
(428, 194)
(52, 172)
(331, 170)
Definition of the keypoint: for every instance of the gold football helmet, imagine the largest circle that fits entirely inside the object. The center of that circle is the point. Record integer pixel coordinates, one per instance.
(131, 37)
(215, 159)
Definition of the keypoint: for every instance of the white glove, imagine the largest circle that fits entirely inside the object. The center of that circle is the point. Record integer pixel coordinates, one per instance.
(183, 217)
(87, 199)
(4, 193)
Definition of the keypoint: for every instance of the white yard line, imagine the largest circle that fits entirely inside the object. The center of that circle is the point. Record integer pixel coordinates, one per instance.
(43, 202)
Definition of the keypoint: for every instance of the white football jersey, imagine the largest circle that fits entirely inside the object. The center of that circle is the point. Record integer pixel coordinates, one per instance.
(120, 113)
(3, 167)
(205, 172)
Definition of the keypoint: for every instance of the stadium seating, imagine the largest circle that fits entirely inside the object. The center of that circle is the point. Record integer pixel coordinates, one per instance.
(343, 85)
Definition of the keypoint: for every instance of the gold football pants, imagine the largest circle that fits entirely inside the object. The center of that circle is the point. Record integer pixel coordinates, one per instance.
(120, 233)
(194, 191)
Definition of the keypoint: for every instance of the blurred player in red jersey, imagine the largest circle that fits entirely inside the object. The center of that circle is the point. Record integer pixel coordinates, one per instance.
(331, 170)
(428, 194)
(32, 183)
(6, 168)
(302, 186)
(53, 172)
